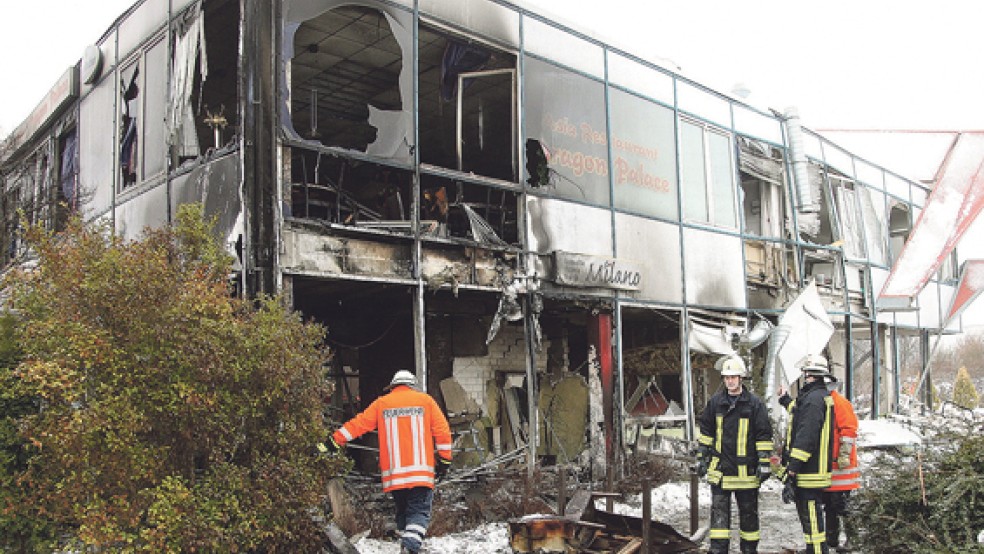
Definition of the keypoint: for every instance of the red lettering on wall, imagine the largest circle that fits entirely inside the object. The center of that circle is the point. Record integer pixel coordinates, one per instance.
(578, 162)
(638, 176)
(590, 136)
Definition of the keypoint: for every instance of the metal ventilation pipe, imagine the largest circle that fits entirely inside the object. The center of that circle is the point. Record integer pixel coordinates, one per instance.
(777, 338)
(797, 155)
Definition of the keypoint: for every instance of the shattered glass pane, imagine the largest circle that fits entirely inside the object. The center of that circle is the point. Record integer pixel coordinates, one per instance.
(466, 105)
(349, 76)
(565, 112)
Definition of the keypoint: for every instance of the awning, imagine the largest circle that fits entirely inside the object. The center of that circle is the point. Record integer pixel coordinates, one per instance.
(969, 288)
(952, 206)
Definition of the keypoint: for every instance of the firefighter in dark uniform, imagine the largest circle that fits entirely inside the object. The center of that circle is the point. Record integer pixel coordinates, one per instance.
(735, 442)
(808, 451)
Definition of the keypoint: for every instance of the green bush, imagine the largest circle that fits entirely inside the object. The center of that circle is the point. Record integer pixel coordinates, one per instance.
(175, 417)
(964, 392)
(19, 532)
(893, 516)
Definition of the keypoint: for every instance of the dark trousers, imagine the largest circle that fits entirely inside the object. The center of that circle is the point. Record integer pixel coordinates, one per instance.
(748, 519)
(835, 507)
(413, 513)
(809, 507)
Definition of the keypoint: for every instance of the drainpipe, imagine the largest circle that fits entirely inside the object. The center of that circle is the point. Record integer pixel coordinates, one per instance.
(806, 203)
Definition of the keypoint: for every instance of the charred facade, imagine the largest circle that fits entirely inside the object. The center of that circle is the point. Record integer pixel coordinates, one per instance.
(557, 236)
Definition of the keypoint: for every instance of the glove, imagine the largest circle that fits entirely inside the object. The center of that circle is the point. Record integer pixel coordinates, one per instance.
(789, 492)
(703, 461)
(764, 472)
(441, 469)
(329, 447)
(782, 474)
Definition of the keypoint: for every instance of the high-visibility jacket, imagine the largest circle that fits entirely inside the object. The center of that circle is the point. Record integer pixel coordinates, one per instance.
(809, 448)
(738, 438)
(411, 426)
(845, 436)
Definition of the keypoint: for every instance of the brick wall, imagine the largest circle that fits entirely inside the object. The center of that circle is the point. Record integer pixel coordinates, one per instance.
(507, 353)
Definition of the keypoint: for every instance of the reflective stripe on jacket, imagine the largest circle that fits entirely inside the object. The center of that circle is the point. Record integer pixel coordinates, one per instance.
(739, 437)
(845, 435)
(809, 447)
(410, 426)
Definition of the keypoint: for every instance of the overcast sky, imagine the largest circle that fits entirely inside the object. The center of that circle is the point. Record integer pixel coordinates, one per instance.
(899, 64)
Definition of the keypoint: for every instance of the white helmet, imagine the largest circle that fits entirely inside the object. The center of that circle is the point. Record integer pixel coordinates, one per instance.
(814, 364)
(730, 365)
(403, 377)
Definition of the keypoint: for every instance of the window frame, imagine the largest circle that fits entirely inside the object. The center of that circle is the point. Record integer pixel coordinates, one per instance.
(710, 211)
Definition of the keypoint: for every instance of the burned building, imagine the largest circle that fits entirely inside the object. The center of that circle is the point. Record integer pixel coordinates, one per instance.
(558, 236)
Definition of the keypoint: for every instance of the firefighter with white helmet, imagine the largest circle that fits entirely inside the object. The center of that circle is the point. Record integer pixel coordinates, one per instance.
(411, 427)
(808, 450)
(735, 443)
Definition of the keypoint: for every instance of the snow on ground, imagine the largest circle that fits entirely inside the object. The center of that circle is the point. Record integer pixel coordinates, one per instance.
(779, 524)
(670, 504)
(492, 538)
(885, 433)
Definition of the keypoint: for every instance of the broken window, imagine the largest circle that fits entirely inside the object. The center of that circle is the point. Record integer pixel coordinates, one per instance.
(460, 209)
(711, 335)
(142, 101)
(129, 131)
(838, 231)
(372, 334)
(707, 174)
(11, 220)
(349, 83)
(336, 190)
(643, 156)
(899, 227)
(17, 203)
(655, 415)
(204, 86)
(762, 173)
(65, 192)
(467, 105)
(761, 167)
(565, 118)
(850, 227)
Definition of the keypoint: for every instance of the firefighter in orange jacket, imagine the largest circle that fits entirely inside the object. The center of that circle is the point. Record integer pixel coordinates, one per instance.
(411, 426)
(845, 476)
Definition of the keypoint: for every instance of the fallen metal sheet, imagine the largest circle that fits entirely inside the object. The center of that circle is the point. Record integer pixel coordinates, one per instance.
(662, 537)
(602, 533)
